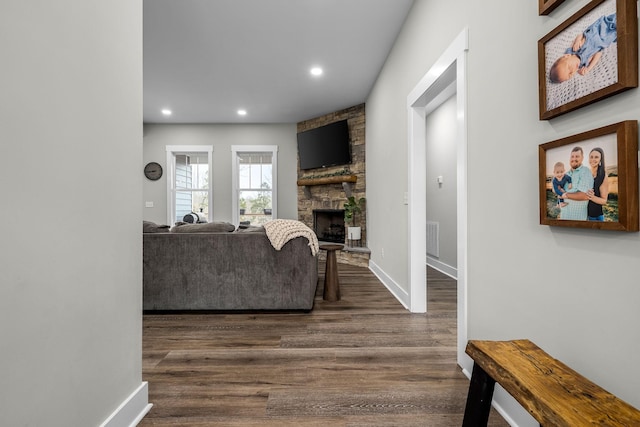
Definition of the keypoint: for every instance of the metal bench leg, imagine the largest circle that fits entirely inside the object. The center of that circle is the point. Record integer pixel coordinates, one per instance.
(476, 412)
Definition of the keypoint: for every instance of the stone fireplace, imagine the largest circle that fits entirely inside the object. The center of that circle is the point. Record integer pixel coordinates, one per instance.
(322, 192)
(328, 224)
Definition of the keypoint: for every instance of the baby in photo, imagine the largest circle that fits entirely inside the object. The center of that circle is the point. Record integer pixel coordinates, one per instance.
(586, 50)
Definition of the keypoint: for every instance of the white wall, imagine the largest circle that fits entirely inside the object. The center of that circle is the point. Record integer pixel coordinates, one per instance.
(441, 126)
(222, 137)
(573, 292)
(70, 252)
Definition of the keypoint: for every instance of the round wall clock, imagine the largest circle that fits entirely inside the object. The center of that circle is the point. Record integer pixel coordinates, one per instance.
(153, 171)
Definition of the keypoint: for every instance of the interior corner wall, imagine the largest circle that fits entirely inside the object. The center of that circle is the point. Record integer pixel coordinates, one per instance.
(573, 292)
(221, 137)
(70, 252)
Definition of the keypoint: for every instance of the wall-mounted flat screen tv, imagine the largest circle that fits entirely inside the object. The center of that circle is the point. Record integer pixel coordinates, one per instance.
(325, 146)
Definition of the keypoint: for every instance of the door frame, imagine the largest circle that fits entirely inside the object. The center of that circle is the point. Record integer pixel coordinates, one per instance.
(446, 77)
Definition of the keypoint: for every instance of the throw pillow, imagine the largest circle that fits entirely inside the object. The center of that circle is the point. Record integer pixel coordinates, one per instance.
(194, 218)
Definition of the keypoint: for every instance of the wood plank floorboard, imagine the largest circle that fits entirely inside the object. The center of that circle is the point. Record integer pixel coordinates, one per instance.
(360, 362)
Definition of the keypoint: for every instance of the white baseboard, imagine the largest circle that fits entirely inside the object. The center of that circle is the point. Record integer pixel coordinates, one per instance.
(511, 410)
(442, 267)
(400, 294)
(132, 410)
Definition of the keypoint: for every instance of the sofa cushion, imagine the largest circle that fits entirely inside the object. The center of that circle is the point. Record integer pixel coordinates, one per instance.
(152, 227)
(208, 227)
(250, 229)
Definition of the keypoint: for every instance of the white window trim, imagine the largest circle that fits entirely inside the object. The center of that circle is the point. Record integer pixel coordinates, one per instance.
(235, 149)
(172, 150)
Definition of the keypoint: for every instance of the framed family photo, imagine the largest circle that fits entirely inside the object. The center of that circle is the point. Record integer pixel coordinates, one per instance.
(590, 180)
(545, 7)
(590, 56)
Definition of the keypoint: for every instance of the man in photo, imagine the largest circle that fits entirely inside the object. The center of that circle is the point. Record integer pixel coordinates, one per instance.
(581, 183)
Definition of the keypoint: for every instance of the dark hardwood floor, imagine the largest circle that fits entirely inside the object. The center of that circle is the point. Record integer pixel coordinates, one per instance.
(361, 361)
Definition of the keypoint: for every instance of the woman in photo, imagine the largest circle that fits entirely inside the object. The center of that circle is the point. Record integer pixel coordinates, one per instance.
(599, 195)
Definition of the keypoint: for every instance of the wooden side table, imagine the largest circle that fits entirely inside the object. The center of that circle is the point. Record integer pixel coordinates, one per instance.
(331, 281)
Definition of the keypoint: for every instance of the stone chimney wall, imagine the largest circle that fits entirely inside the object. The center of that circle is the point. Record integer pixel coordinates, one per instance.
(333, 196)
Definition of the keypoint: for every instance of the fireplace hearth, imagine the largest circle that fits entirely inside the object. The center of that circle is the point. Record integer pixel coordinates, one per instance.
(328, 224)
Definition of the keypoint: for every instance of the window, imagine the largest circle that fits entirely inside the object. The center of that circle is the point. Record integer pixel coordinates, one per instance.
(254, 183)
(188, 183)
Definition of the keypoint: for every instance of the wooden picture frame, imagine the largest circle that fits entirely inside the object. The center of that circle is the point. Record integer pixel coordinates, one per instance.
(618, 144)
(545, 7)
(611, 70)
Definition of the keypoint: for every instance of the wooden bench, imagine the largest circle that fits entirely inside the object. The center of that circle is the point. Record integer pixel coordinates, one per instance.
(554, 394)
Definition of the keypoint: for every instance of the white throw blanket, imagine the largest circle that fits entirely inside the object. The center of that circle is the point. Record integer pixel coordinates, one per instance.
(280, 231)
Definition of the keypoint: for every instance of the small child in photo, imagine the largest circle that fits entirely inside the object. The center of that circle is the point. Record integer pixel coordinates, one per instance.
(586, 50)
(561, 183)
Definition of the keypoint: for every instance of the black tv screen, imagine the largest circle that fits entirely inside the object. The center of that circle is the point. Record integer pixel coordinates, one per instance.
(325, 146)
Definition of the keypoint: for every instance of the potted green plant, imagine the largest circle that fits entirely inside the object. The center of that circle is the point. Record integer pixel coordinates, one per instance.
(352, 207)
(243, 206)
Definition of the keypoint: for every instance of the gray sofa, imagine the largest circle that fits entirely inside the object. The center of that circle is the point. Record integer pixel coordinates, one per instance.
(226, 271)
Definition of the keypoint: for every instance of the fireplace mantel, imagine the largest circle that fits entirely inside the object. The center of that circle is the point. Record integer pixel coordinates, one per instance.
(327, 180)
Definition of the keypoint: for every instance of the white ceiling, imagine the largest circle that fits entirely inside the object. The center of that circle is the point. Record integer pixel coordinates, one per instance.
(205, 59)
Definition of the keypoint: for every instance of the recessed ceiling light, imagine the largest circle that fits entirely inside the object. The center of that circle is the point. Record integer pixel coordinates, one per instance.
(316, 71)
(242, 112)
(166, 111)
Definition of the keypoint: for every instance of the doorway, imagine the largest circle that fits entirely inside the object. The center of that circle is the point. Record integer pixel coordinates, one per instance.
(447, 77)
(441, 172)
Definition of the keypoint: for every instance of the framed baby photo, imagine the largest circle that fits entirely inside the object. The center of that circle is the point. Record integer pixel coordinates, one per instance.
(589, 57)
(590, 180)
(545, 7)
